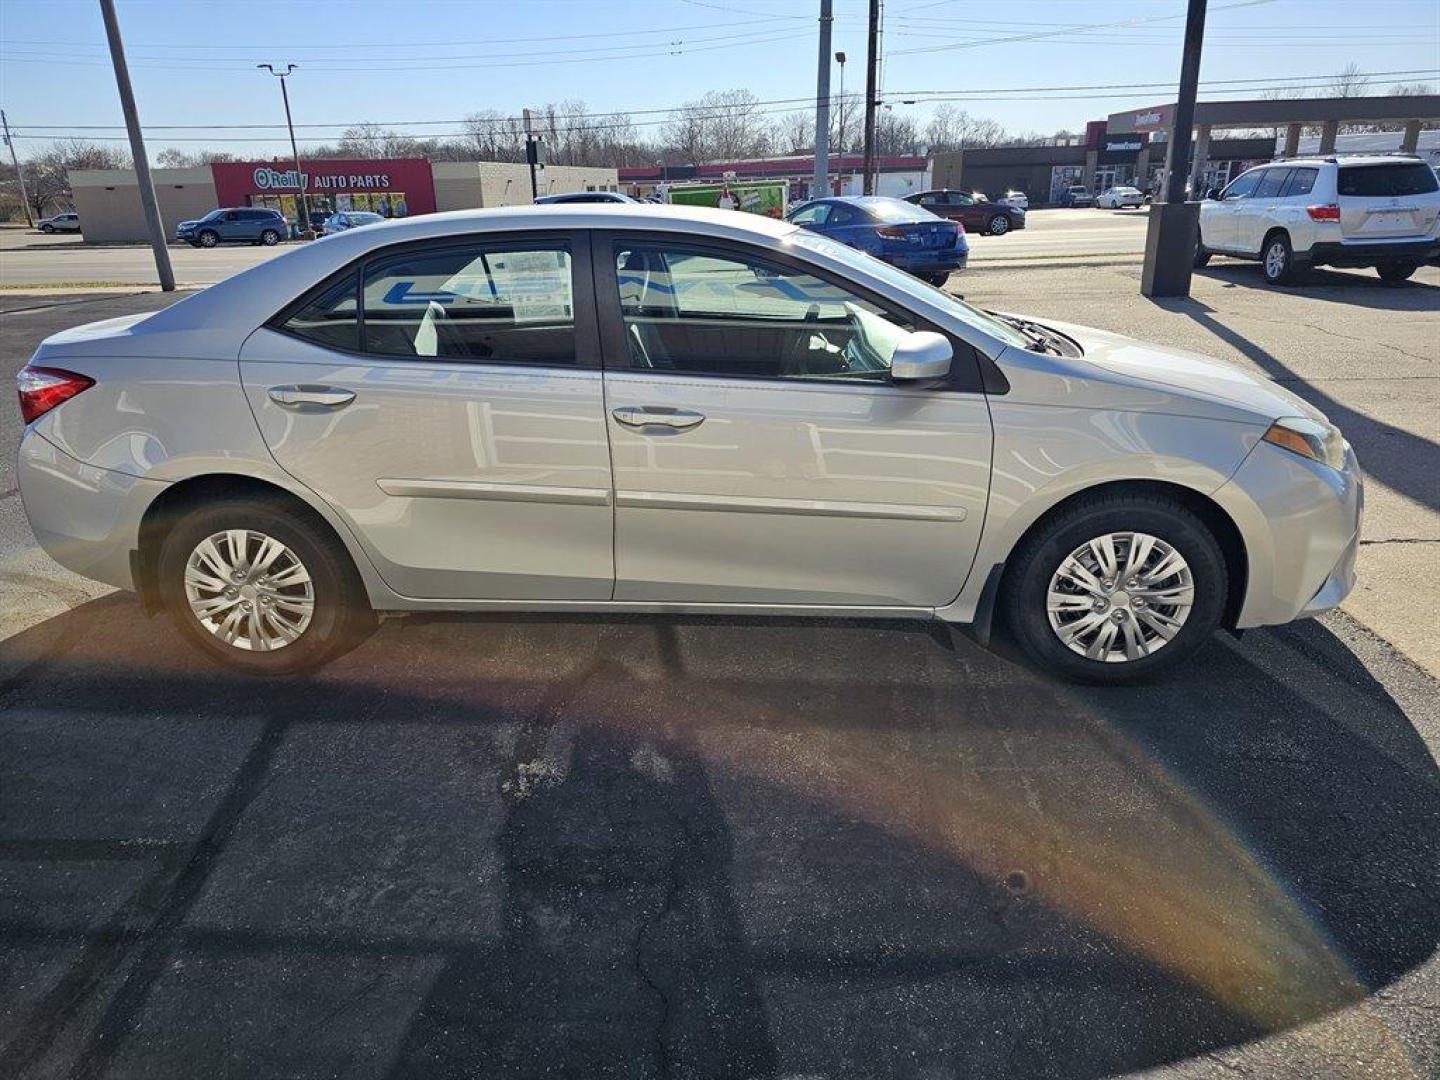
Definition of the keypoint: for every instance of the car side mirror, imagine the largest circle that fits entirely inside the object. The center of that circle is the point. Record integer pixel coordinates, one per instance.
(922, 356)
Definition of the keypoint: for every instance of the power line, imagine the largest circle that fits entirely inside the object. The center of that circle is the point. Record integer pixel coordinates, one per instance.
(928, 96)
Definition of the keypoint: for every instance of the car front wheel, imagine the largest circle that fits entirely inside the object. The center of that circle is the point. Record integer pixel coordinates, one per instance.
(1115, 588)
(207, 239)
(998, 225)
(260, 588)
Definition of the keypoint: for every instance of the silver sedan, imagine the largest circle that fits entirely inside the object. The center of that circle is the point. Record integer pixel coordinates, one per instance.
(621, 409)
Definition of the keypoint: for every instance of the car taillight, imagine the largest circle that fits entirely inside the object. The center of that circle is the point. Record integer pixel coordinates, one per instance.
(890, 232)
(1328, 212)
(43, 388)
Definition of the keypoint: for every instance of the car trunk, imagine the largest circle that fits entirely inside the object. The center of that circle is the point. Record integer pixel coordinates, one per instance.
(919, 236)
(1381, 202)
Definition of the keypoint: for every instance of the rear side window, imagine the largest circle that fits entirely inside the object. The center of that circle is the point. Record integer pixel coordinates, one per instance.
(1300, 183)
(330, 318)
(484, 305)
(1271, 181)
(1387, 181)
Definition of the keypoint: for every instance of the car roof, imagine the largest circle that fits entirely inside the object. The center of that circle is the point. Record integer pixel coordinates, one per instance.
(1349, 159)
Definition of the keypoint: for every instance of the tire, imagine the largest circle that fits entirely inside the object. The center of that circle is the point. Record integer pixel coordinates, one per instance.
(935, 279)
(1396, 271)
(49, 230)
(269, 238)
(207, 239)
(1202, 257)
(338, 614)
(1277, 260)
(1035, 566)
(998, 225)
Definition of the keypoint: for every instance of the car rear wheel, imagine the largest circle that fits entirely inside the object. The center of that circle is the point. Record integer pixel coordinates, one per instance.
(260, 588)
(1115, 588)
(1277, 260)
(936, 279)
(208, 239)
(998, 225)
(269, 238)
(1396, 271)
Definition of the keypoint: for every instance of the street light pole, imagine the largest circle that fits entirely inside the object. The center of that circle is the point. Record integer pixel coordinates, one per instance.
(872, 90)
(148, 205)
(19, 176)
(304, 203)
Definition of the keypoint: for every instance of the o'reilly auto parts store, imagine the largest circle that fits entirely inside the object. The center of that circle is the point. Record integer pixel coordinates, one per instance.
(108, 200)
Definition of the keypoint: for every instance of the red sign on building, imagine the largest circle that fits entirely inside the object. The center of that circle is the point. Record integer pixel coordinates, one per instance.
(395, 187)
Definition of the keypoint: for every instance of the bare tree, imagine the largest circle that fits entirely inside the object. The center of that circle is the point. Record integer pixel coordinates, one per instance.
(724, 125)
(895, 134)
(1412, 89)
(47, 179)
(1348, 82)
(846, 123)
(952, 128)
(174, 158)
(795, 132)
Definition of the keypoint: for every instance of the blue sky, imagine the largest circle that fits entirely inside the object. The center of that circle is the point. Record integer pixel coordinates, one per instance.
(399, 62)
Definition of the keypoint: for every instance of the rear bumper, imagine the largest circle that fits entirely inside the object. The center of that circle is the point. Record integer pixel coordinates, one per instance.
(929, 262)
(1379, 251)
(86, 519)
(1301, 526)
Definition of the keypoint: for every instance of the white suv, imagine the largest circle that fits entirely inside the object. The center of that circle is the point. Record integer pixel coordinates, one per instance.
(1379, 211)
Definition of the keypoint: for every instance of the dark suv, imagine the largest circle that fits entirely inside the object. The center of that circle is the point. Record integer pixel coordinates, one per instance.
(977, 212)
(240, 225)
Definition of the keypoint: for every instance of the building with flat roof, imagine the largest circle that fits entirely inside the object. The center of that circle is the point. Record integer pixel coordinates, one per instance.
(108, 200)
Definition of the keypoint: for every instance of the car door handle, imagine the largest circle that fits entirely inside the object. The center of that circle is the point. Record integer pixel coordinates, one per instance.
(642, 416)
(306, 398)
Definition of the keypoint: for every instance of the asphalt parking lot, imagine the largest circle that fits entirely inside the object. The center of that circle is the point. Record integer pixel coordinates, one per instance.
(530, 846)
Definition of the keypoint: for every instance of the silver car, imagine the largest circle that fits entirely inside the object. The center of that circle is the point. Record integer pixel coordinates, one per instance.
(621, 409)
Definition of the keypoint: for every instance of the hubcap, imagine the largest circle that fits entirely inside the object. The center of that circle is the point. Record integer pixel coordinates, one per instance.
(1119, 597)
(1275, 259)
(999, 225)
(249, 590)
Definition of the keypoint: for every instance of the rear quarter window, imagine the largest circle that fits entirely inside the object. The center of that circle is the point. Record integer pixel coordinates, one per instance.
(1386, 181)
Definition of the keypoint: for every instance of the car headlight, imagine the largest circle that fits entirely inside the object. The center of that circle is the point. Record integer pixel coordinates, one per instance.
(1313, 439)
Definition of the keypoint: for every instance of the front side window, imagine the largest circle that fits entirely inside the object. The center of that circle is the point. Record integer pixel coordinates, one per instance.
(1242, 186)
(814, 214)
(484, 305)
(693, 311)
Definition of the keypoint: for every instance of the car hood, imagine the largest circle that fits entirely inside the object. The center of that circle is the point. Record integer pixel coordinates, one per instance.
(1165, 379)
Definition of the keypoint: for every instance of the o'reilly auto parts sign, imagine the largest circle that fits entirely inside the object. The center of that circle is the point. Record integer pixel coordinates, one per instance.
(268, 179)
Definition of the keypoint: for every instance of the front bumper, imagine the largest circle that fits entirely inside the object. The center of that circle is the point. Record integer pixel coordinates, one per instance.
(1300, 522)
(87, 519)
(1339, 254)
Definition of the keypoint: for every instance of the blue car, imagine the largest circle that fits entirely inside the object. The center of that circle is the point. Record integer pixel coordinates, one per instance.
(235, 225)
(909, 237)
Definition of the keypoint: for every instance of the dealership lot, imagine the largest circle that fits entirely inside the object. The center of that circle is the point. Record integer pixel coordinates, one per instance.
(827, 849)
(28, 258)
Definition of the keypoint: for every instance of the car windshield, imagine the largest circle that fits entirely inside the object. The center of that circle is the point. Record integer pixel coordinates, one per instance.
(213, 215)
(891, 275)
(894, 210)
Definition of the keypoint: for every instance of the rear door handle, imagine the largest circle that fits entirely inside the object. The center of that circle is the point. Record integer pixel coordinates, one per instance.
(307, 398)
(642, 416)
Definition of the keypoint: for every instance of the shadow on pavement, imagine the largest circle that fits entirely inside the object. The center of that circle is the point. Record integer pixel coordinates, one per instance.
(1361, 288)
(526, 846)
(1400, 459)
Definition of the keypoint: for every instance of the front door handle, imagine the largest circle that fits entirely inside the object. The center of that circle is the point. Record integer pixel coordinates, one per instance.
(307, 398)
(643, 416)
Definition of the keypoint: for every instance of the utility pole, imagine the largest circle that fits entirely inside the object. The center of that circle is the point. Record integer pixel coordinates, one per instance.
(148, 204)
(822, 106)
(532, 154)
(19, 176)
(1174, 224)
(304, 203)
(872, 79)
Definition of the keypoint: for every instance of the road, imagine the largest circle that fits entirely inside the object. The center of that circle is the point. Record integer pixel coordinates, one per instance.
(521, 846)
(31, 259)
